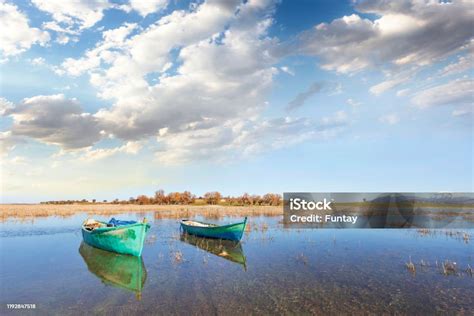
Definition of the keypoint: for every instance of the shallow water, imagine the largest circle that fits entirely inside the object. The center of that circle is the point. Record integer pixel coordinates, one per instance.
(273, 270)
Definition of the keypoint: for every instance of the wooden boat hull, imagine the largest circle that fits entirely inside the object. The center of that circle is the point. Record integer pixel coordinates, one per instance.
(118, 270)
(229, 232)
(127, 239)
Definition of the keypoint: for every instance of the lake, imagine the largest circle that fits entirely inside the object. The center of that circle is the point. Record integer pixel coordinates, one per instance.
(273, 270)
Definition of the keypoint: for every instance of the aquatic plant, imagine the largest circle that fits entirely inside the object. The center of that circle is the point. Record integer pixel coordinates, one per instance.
(410, 266)
(449, 267)
(469, 270)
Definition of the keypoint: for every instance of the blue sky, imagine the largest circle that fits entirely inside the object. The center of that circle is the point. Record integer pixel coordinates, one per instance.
(111, 99)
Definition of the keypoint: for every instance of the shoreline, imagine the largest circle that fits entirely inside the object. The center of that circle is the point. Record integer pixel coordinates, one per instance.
(160, 211)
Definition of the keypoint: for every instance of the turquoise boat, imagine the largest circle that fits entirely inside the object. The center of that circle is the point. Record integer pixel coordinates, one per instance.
(230, 232)
(121, 237)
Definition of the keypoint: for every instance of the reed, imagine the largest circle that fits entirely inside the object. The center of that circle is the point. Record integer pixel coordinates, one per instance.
(22, 211)
(410, 266)
(449, 267)
(178, 257)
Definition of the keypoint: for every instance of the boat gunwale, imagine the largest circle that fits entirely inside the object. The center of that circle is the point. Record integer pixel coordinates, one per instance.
(112, 228)
(214, 225)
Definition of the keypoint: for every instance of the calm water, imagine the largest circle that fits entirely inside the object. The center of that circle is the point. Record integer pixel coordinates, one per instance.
(273, 270)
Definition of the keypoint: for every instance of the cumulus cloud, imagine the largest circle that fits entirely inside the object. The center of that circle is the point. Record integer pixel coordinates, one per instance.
(455, 92)
(404, 33)
(148, 6)
(80, 13)
(53, 119)
(104, 53)
(16, 35)
(198, 79)
(222, 68)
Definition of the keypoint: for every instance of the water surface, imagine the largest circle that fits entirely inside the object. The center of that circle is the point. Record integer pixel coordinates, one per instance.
(273, 270)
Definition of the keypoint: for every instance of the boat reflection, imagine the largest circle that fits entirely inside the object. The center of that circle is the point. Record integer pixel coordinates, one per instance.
(123, 271)
(227, 249)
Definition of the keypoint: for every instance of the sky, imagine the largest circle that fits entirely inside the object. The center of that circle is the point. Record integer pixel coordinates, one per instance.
(104, 99)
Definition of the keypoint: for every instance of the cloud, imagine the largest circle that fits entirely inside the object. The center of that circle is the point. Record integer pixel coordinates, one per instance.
(80, 14)
(236, 139)
(455, 92)
(353, 102)
(220, 68)
(148, 6)
(5, 106)
(8, 142)
(463, 63)
(404, 33)
(16, 35)
(467, 110)
(390, 119)
(390, 83)
(131, 148)
(53, 119)
(287, 70)
(403, 92)
(104, 53)
(302, 97)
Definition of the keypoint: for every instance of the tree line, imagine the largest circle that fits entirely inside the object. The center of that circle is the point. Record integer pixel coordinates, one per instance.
(187, 198)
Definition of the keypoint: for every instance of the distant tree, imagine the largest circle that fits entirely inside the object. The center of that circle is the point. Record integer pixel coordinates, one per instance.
(187, 198)
(93, 200)
(143, 199)
(212, 197)
(160, 197)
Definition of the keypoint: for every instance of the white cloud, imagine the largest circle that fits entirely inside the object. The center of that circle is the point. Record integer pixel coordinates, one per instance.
(406, 33)
(5, 106)
(455, 92)
(16, 35)
(148, 6)
(403, 92)
(287, 70)
(38, 61)
(390, 119)
(463, 63)
(239, 138)
(131, 148)
(80, 14)
(104, 52)
(222, 69)
(393, 80)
